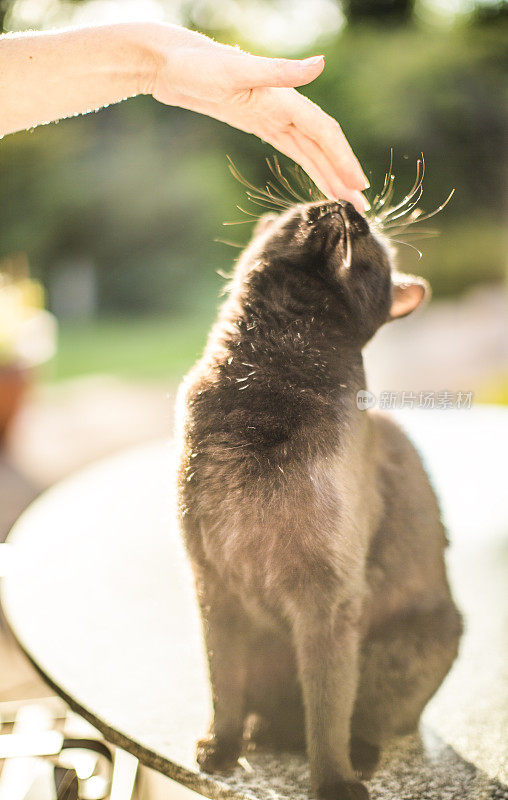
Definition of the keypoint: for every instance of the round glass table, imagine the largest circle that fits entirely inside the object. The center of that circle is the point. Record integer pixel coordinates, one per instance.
(100, 597)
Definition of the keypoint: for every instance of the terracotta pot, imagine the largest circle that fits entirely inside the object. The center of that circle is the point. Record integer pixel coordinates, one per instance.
(14, 382)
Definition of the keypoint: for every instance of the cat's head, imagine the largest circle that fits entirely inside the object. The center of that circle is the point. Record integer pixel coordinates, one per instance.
(330, 245)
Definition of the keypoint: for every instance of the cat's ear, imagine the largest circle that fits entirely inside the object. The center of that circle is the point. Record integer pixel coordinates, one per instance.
(264, 223)
(408, 292)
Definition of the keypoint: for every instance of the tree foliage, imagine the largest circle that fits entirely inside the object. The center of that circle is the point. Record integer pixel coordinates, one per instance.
(141, 190)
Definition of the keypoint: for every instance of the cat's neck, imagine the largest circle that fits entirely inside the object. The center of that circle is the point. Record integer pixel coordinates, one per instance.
(274, 337)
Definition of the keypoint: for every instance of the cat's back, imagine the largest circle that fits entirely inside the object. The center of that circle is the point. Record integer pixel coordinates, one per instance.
(402, 475)
(405, 564)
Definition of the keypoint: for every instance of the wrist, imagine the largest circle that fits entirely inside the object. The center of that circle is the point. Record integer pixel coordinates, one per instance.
(138, 54)
(167, 48)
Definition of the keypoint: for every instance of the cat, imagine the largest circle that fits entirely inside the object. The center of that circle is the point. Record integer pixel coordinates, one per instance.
(313, 531)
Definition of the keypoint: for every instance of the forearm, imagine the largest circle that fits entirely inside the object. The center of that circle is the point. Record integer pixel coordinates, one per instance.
(48, 76)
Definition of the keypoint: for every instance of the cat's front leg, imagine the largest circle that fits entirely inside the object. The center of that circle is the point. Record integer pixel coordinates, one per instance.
(327, 639)
(225, 637)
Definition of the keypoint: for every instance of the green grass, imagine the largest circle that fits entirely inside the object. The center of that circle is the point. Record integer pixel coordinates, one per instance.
(134, 348)
(494, 391)
(159, 348)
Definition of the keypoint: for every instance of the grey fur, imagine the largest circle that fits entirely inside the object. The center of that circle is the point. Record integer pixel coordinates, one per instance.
(314, 533)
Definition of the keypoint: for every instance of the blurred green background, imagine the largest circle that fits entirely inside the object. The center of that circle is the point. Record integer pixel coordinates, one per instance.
(119, 211)
(117, 214)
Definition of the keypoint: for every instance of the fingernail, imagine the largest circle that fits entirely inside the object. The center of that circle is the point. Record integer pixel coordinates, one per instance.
(361, 178)
(313, 60)
(361, 203)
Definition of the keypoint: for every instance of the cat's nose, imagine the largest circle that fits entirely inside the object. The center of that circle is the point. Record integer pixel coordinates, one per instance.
(351, 211)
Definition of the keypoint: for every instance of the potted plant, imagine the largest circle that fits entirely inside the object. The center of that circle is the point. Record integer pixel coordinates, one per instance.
(27, 334)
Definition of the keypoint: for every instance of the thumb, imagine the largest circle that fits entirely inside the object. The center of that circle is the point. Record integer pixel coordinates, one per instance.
(258, 71)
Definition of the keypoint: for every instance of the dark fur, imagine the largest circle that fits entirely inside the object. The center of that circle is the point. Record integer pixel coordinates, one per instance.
(314, 533)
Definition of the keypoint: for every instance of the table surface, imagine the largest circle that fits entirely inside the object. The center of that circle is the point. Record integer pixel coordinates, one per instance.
(100, 597)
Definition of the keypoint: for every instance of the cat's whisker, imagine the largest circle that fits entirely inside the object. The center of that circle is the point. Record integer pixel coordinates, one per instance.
(416, 188)
(238, 175)
(239, 222)
(408, 244)
(421, 216)
(231, 244)
(273, 192)
(384, 199)
(378, 197)
(267, 197)
(388, 218)
(417, 234)
(249, 186)
(388, 176)
(308, 185)
(397, 221)
(271, 188)
(403, 230)
(436, 210)
(259, 201)
(249, 213)
(277, 173)
(413, 216)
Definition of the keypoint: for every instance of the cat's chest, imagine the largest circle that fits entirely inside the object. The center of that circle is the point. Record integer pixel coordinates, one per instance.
(310, 526)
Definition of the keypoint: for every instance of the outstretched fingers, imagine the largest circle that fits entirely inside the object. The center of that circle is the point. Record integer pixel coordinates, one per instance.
(313, 122)
(314, 161)
(252, 72)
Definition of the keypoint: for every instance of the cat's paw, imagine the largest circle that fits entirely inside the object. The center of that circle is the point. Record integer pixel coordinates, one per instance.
(343, 790)
(364, 757)
(217, 755)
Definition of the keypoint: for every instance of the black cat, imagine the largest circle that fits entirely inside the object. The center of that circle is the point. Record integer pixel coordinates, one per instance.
(314, 533)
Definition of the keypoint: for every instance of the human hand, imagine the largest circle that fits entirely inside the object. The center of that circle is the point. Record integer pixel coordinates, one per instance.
(256, 95)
